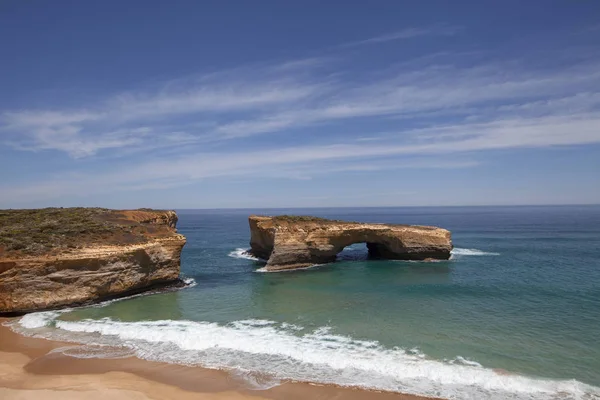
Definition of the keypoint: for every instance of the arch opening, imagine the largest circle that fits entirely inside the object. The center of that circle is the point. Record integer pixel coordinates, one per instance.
(366, 249)
(353, 252)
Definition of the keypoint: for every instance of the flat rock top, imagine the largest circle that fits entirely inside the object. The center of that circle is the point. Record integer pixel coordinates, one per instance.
(52, 231)
(308, 223)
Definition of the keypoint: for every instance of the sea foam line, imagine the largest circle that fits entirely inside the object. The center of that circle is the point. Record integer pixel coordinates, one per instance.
(268, 348)
(276, 271)
(457, 251)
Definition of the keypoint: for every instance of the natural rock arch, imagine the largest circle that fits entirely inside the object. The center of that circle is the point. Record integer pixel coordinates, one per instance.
(289, 242)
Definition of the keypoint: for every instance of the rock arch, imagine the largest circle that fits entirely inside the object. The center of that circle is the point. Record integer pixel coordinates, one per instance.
(289, 242)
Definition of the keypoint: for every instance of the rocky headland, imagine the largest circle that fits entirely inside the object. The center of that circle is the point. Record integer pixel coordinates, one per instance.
(58, 257)
(290, 242)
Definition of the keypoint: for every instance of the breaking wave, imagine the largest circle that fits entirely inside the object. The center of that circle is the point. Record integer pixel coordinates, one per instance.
(269, 352)
(189, 282)
(243, 253)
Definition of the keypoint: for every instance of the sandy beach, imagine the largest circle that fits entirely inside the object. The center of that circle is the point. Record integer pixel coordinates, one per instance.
(29, 370)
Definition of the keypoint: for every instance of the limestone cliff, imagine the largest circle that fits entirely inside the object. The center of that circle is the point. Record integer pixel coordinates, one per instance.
(289, 242)
(57, 257)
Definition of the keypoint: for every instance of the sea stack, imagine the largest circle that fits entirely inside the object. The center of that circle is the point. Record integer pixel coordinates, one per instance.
(59, 257)
(291, 242)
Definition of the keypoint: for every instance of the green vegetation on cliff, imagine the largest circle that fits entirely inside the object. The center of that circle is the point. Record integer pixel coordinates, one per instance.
(303, 218)
(48, 230)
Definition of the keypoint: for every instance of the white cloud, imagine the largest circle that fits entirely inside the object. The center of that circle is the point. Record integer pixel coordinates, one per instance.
(432, 146)
(114, 122)
(235, 97)
(408, 33)
(201, 122)
(448, 91)
(227, 105)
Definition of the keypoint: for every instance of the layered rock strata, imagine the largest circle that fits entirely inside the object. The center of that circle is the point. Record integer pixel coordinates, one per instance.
(53, 258)
(289, 242)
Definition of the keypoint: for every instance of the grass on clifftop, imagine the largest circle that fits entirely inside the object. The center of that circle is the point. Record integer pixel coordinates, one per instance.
(305, 218)
(52, 230)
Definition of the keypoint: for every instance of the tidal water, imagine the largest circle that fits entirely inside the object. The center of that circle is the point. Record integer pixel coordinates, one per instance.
(515, 314)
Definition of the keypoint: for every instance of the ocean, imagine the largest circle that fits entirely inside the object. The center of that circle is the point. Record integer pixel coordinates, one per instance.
(515, 313)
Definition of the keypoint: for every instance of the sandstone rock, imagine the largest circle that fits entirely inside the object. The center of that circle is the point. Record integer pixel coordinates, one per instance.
(87, 255)
(289, 242)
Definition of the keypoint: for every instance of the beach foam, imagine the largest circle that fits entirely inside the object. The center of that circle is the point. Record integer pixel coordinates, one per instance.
(94, 351)
(254, 380)
(39, 319)
(272, 351)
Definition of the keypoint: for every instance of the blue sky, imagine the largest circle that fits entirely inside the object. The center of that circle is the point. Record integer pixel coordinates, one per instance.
(198, 104)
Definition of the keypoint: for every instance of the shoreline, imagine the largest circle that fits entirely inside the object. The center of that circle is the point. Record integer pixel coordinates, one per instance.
(28, 370)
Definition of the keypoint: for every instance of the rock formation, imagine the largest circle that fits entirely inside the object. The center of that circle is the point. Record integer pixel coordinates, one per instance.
(289, 242)
(57, 257)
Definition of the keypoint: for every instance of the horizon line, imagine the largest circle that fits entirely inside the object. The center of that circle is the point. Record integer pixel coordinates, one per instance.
(323, 207)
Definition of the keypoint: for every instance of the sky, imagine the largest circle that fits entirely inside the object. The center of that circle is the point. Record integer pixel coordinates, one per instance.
(246, 104)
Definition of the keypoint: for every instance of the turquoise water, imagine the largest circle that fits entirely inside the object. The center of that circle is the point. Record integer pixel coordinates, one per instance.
(514, 314)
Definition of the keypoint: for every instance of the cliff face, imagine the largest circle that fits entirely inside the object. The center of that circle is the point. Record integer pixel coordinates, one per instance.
(59, 257)
(289, 242)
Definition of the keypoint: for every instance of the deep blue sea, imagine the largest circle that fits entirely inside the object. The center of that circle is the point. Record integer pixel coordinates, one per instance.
(515, 314)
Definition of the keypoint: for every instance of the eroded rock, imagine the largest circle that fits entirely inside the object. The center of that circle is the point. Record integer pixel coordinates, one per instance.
(53, 258)
(289, 242)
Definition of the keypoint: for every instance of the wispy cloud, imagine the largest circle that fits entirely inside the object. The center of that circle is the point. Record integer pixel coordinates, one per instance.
(479, 92)
(122, 120)
(286, 163)
(431, 146)
(407, 33)
(209, 110)
(303, 118)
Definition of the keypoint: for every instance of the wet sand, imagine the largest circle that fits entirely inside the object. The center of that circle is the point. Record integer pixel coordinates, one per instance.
(29, 371)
